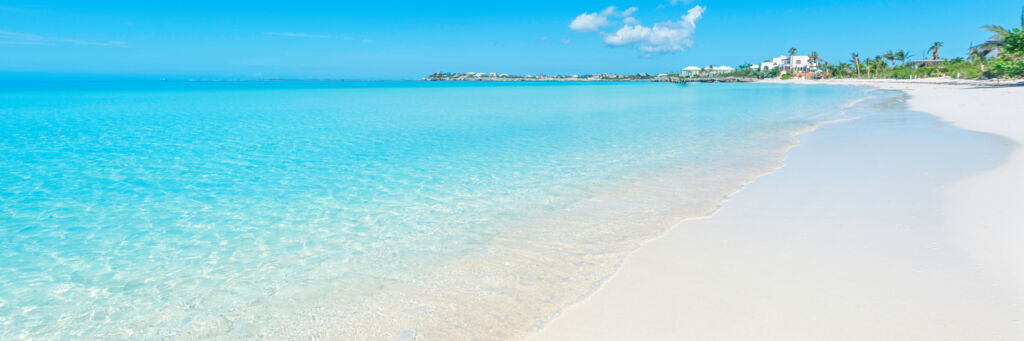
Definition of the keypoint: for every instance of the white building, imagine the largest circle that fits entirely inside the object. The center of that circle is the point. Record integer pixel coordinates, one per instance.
(798, 63)
(690, 71)
(714, 70)
(722, 69)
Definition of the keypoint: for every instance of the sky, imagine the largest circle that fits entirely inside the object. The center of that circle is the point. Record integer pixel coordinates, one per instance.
(386, 39)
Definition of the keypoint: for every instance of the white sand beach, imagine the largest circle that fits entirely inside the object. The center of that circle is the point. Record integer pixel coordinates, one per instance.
(864, 235)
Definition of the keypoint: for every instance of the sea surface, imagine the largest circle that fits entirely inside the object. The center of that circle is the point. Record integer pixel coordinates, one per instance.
(357, 210)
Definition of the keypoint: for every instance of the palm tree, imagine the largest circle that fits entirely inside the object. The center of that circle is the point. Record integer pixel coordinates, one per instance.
(792, 52)
(935, 50)
(901, 56)
(994, 42)
(856, 62)
(844, 68)
(890, 56)
(977, 56)
(869, 63)
(814, 57)
(999, 34)
(879, 64)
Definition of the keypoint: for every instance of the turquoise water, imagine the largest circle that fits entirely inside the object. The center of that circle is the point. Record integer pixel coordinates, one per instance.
(355, 209)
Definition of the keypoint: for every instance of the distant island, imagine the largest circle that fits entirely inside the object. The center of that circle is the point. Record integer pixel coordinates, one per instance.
(504, 77)
(716, 77)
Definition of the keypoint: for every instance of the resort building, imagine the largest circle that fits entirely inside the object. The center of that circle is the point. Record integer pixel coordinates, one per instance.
(721, 69)
(785, 63)
(690, 71)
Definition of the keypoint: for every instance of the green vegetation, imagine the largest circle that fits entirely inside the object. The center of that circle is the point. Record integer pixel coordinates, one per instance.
(1002, 56)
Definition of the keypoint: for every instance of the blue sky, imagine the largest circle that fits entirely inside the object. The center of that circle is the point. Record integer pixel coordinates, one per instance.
(386, 39)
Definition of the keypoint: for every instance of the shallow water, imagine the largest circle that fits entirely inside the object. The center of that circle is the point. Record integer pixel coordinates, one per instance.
(356, 210)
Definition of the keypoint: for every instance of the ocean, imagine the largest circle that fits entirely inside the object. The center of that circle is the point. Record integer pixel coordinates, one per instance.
(357, 210)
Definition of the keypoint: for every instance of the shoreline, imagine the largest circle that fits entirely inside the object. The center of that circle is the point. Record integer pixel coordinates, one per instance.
(591, 317)
(884, 83)
(985, 199)
(779, 164)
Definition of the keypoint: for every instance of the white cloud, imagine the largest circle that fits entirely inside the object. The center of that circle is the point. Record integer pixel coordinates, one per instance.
(543, 38)
(565, 41)
(590, 22)
(18, 38)
(676, 2)
(664, 37)
(628, 35)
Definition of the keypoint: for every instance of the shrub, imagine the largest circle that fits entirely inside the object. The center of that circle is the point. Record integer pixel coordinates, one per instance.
(960, 67)
(1006, 67)
(1013, 44)
(786, 76)
(903, 72)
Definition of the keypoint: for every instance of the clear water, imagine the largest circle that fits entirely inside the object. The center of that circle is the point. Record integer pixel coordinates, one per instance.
(356, 210)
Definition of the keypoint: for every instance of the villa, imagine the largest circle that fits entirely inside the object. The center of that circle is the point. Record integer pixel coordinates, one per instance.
(690, 71)
(720, 69)
(785, 63)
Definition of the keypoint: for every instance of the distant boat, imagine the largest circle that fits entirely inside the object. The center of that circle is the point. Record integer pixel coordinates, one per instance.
(163, 79)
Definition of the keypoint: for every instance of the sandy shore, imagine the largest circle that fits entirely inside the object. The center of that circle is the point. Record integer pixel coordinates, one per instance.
(895, 227)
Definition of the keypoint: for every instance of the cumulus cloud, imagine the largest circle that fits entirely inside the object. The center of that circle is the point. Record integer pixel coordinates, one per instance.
(627, 35)
(591, 22)
(664, 37)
